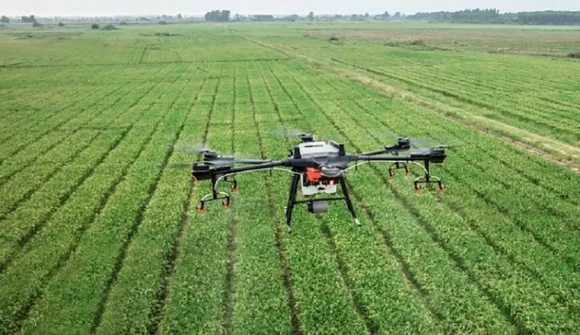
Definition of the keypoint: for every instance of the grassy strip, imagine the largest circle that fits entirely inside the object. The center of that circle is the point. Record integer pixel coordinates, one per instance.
(46, 252)
(99, 256)
(193, 304)
(507, 156)
(31, 177)
(408, 312)
(426, 268)
(547, 147)
(487, 163)
(524, 248)
(263, 300)
(25, 221)
(132, 299)
(51, 139)
(22, 140)
(322, 298)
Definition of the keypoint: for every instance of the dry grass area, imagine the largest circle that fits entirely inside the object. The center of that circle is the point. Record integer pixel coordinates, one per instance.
(509, 40)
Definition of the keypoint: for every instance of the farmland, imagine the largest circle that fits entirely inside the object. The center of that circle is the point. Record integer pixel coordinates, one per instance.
(99, 232)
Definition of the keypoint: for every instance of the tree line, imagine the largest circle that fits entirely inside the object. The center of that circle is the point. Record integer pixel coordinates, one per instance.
(494, 16)
(477, 16)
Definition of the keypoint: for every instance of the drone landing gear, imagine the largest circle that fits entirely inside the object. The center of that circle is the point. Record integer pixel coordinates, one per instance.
(315, 206)
(427, 179)
(215, 195)
(396, 166)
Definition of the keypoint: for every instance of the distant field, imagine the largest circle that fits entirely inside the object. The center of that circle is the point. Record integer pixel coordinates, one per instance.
(99, 232)
(545, 42)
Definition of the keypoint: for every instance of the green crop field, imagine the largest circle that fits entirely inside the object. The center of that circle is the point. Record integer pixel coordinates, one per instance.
(99, 231)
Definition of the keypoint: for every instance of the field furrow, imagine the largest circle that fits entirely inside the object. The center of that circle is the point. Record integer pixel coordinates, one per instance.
(100, 226)
(102, 247)
(48, 251)
(198, 261)
(38, 207)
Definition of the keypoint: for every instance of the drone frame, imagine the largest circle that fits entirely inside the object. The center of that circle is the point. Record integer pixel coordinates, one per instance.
(217, 168)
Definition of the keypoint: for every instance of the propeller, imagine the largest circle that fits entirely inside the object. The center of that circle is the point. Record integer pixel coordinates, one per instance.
(305, 136)
(192, 148)
(425, 142)
(295, 133)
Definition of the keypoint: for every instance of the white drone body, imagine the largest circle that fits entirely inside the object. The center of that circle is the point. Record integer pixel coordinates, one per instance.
(312, 181)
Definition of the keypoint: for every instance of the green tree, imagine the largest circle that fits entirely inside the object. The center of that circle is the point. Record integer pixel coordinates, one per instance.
(28, 19)
(311, 16)
(5, 19)
(218, 16)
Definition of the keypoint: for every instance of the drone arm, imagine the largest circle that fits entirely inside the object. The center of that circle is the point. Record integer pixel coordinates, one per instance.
(259, 166)
(433, 156)
(374, 153)
(251, 161)
(208, 173)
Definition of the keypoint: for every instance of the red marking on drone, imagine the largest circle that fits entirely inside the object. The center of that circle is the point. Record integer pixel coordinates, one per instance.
(313, 175)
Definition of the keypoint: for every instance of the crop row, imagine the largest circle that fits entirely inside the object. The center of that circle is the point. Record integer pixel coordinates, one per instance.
(322, 292)
(29, 178)
(194, 286)
(456, 247)
(462, 69)
(444, 295)
(56, 182)
(151, 255)
(20, 148)
(49, 249)
(372, 269)
(41, 118)
(525, 118)
(511, 103)
(526, 247)
(512, 98)
(102, 247)
(223, 271)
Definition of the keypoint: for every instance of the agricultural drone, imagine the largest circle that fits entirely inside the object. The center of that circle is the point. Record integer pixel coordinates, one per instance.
(317, 168)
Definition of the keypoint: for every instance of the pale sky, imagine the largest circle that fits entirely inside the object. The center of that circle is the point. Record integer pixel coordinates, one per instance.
(301, 7)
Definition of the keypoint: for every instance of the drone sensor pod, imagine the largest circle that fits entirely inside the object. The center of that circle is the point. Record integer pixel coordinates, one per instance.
(317, 207)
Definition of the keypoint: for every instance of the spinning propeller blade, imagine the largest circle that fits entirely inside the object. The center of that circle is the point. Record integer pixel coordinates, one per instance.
(191, 148)
(426, 142)
(295, 132)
